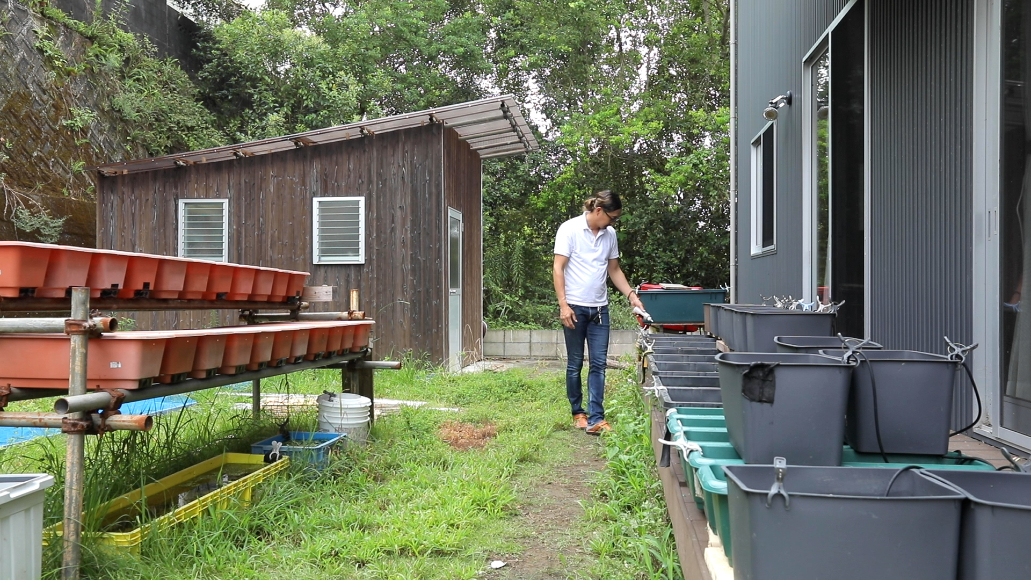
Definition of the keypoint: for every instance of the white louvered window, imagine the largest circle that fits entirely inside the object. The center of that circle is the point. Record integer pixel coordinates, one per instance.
(204, 229)
(339, 230)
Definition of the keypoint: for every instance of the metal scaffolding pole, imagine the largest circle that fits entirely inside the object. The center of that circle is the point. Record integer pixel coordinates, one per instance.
(74, 460)
(55, 421)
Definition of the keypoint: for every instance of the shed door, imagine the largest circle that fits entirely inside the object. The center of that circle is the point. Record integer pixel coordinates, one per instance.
(454, 276)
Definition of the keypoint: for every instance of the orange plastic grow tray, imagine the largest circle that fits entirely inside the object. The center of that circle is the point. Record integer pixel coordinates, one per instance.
(22, 266)
(120, 360)
(196, 280)
(220, 281)
(171, 277)
(140, 273)
(263, 279)
(280, 280)
(243, 282)
(67, 268)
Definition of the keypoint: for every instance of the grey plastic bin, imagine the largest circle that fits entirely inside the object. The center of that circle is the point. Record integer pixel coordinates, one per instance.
(681, 391)
(685, 350)
(661, 358)
(21, 525)
(842, 524)
(814, 344)
(914, 402)
(787, 405)
(680, 379)
(996, 523)
(763, 325)
(685, 367)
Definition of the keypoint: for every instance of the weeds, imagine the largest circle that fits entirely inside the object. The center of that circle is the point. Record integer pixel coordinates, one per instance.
(407, 505)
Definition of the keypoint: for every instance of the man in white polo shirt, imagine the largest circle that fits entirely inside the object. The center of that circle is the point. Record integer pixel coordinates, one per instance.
(586, 253)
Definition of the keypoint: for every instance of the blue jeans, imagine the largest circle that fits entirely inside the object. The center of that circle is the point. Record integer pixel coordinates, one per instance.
(592, 326)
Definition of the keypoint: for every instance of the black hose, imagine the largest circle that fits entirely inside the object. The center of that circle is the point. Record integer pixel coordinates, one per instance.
(977, 397)
(876, 420)
(891, 482)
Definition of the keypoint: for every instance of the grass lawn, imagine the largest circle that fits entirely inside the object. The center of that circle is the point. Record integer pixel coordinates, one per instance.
(497, 475)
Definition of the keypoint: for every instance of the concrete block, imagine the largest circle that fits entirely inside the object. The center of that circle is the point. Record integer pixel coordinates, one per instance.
(517, 336)
(517, 349)
(543, 336)
(494, 349)
(542, 349)
(622, 337)
(495, 336)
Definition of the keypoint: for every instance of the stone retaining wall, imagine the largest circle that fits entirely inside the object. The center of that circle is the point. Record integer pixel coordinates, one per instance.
(546, 343)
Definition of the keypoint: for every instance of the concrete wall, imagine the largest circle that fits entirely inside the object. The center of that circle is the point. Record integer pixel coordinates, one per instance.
(547, 343)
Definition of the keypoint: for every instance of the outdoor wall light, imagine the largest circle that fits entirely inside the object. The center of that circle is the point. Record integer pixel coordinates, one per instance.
(770, 112)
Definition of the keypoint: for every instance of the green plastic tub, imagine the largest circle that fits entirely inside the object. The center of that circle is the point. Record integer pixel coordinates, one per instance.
(713, 457)
(717, 507)
(679, 306)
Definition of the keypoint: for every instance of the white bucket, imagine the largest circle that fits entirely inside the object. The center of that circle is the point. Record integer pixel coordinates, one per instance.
(345, 413)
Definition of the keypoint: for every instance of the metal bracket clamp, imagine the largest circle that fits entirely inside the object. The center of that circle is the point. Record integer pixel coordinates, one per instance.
(74, 327)
(683, 446)
(74, 426)
(780, 469)
(5, 391)
(112, 409)
(958, 352)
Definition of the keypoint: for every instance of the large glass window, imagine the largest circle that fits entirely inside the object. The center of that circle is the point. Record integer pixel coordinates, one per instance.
(764, 190)
(835, 180)
(1014, 216)
(820, 90)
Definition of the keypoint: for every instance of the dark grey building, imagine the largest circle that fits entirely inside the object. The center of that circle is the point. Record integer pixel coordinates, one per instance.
(895, 176)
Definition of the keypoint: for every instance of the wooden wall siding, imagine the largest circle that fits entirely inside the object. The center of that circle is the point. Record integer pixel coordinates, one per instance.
(270, 209)
(462, 191)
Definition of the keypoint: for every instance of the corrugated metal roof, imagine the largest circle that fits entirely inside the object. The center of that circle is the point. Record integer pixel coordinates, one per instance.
(493, 127)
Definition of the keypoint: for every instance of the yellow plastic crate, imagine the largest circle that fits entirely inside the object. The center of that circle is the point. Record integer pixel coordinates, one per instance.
(242, 488)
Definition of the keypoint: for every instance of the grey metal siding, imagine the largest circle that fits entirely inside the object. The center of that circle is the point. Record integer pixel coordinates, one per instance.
(773, 37)
(920, 83)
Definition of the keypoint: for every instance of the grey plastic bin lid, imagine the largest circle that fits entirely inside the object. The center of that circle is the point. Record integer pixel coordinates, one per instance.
(814, 344)
(14, 486)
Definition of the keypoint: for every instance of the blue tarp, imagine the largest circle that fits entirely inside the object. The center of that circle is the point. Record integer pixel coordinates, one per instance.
(12, 435)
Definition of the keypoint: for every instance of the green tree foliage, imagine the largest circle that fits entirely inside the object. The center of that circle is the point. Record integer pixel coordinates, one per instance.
(265, 77)
(632, 97)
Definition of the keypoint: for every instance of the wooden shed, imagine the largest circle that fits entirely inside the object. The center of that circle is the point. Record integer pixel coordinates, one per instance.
(391, 206)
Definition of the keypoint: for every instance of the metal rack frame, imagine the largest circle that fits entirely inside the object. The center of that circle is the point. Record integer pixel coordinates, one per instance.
(79, 413)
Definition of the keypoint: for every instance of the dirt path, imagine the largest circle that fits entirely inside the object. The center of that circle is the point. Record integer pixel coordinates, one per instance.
(550, 512)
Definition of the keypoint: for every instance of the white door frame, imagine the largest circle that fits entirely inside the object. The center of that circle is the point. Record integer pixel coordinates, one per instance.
(454, 321)
(987, 115)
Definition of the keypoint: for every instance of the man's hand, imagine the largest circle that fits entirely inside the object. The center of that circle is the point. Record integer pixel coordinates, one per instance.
(635, 300)
(567, 316)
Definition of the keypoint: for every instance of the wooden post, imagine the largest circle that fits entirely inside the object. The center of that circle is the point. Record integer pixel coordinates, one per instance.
(359, 382)
(256, 399)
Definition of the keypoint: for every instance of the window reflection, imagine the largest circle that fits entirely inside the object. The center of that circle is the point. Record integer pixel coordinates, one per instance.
(821, 165)
(1014, 217)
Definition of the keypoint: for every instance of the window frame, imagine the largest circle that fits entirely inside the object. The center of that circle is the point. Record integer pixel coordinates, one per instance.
(181, 227)
(316, 258)
(759, 189)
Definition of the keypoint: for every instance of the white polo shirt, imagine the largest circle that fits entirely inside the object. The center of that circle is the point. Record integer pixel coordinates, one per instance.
(588, 265)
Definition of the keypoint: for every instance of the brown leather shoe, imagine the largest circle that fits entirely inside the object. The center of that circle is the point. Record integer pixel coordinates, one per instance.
(599, 427)
(580, 421)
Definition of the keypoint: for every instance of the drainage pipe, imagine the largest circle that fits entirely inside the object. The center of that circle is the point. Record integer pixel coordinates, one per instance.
(103, 399)
(55, 421)
(256, 318)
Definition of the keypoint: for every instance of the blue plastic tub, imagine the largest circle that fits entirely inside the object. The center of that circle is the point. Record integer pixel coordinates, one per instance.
(317, 454)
